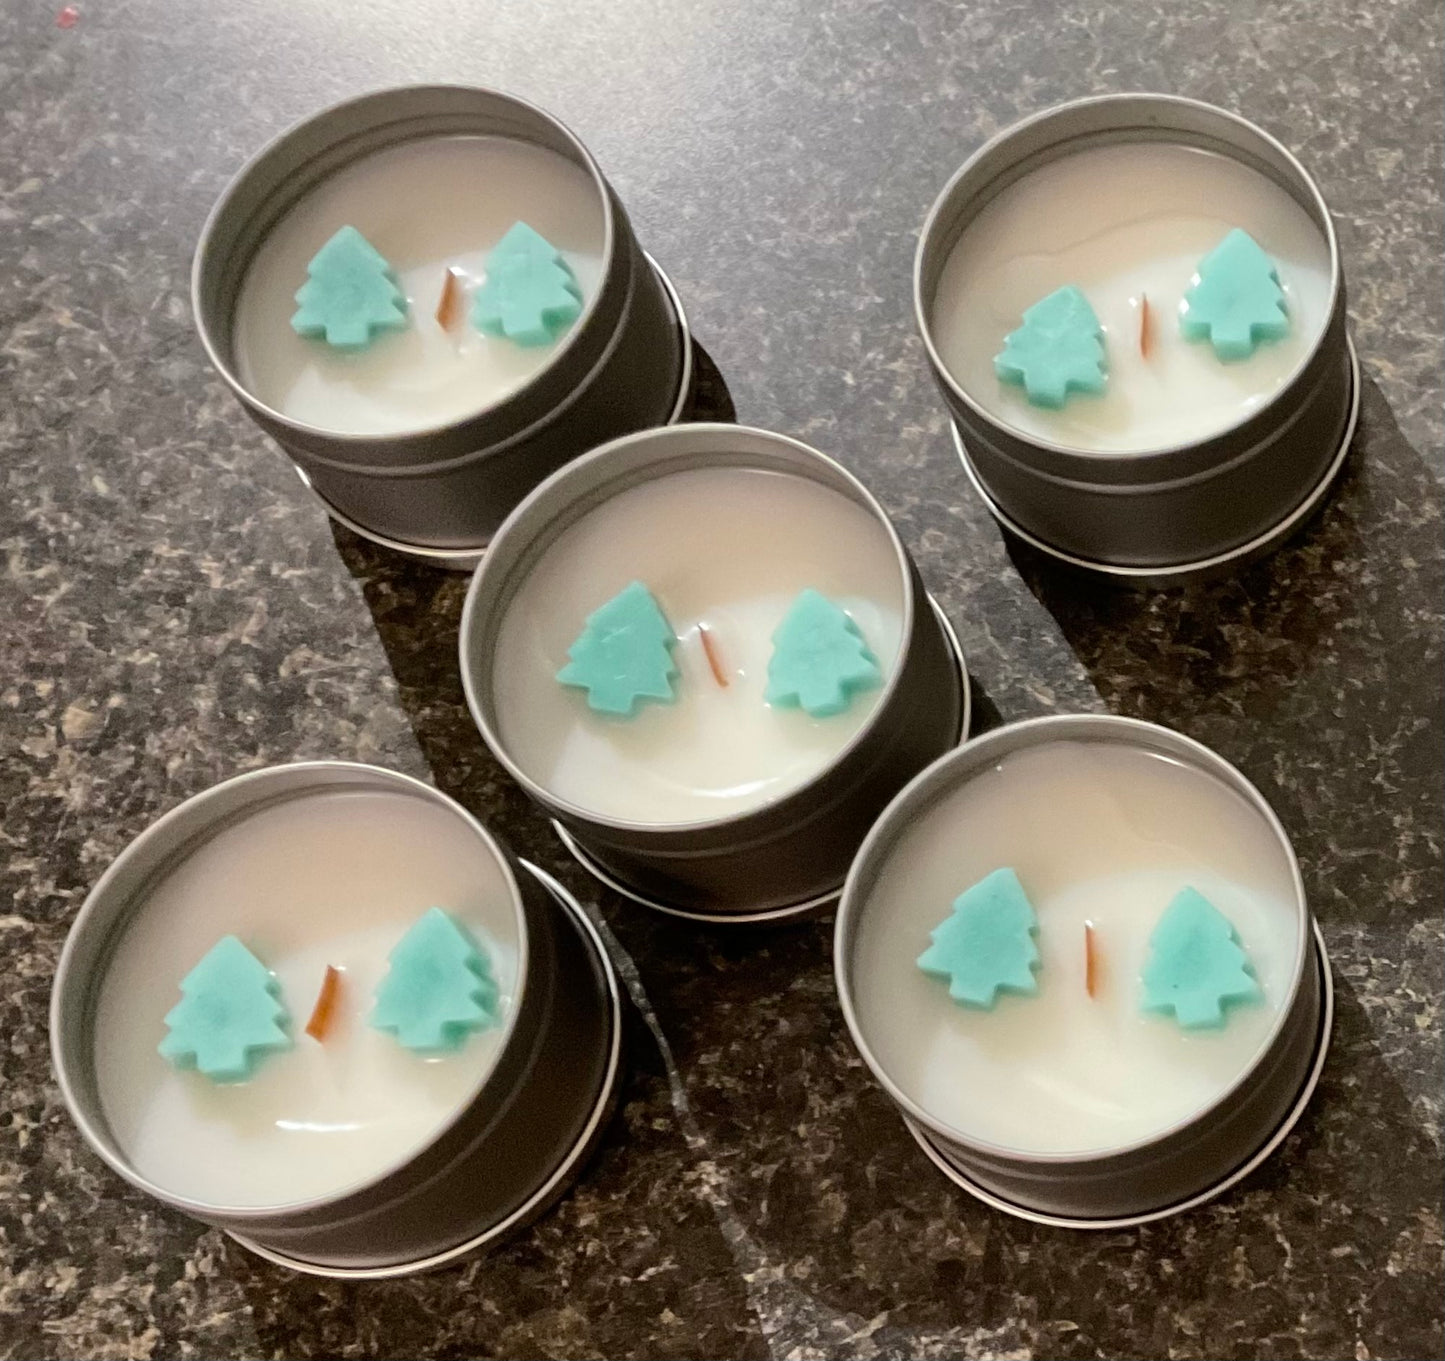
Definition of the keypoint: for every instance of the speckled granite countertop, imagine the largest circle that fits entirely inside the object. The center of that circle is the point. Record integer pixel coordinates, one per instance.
(175, 610)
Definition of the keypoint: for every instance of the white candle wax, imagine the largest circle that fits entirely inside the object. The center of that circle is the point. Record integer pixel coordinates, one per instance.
(727, 548)
(427, 206)
(335, 878)
(1097, 833)
(1121, 223)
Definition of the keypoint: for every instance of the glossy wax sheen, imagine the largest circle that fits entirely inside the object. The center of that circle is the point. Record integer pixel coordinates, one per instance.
(426, 206)
(727, 548)
(334, 878)
(1101, 833)
(1121, 222)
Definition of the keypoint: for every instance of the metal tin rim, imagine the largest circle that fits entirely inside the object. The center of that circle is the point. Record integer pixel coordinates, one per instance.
(202, 1209)
(465, 559)
(775, 916)
(1211, 1192)
(732, 431)
(233, 380)
(841, 944)
(1324, 221)
(1179, 573)
(562, 1177)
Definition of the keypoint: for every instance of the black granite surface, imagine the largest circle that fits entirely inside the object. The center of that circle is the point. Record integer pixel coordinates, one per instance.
(174, 609)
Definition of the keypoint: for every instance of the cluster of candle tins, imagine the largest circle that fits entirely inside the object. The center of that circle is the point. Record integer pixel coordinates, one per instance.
(1075, 951)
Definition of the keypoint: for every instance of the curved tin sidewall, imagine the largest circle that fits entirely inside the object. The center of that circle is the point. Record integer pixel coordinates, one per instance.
(1202, 569)
(775, 916)
(448, 487)
(460, 503)
(466, 559)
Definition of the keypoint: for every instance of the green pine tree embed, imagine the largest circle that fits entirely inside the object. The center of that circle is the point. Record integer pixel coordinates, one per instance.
(820, 659)
(438, 988)
(350, 294)
(1058, 350)
(1196, 967)
(986, 945)
(530, 294)
(623, 654)
(229, 1017)
(1236, 301)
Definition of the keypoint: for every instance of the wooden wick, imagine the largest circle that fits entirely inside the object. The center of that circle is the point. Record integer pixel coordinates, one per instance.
(449, 305)
(1145, 335)
(324, 1012)
(1091, 961)
(713, 660)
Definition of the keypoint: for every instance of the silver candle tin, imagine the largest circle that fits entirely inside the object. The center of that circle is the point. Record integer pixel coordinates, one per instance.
(509, 1153)
(1172, 1171)
(786, 858)
(439, 493)
(1170, 514)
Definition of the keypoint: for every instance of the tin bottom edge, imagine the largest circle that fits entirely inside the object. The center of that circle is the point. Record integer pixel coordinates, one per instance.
(562, 1177)
(791, 912)
(1291, 1119)
(1177, 574)
(466, 559)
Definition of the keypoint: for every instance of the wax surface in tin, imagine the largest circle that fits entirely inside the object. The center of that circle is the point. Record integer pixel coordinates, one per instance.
(725, 549)
(1123, 223)
(429, 207)
(334, 878)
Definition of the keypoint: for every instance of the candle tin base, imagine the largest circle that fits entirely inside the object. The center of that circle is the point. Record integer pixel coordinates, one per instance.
(773, 916)
(781, 855)
(466, 559)
(1204, 569)
(515, 1141)
(444, 489)
(1164, 1171)
(960, 1178)
(573, 1157)
(1171, 512)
